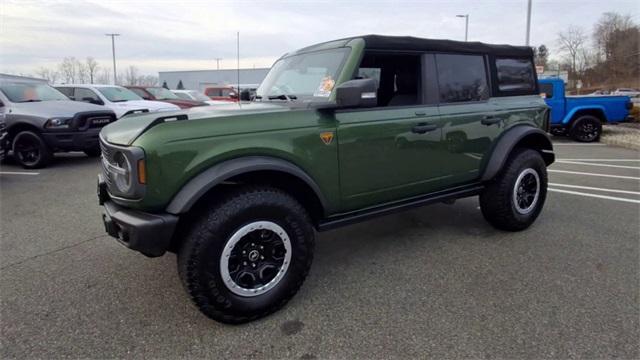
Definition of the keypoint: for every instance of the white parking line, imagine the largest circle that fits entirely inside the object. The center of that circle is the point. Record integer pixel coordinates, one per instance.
(596, 164)
(18, 173)
(594, 174)
(596, 189)
(613, 160)
(577, 144)
(595, 196)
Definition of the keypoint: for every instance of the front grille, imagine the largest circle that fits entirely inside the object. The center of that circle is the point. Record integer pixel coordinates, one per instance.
(107, 155)
(98, 121)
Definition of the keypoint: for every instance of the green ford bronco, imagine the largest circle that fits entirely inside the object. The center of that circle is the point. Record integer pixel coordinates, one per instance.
(339, 132)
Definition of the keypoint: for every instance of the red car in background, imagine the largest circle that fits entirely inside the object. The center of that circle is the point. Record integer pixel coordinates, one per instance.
(161, 94)
(222, 93)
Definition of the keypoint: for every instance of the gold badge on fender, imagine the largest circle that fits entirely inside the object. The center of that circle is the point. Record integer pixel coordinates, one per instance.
(327, 137)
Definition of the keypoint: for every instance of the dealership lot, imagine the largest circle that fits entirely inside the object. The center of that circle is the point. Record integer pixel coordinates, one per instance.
(436, 281)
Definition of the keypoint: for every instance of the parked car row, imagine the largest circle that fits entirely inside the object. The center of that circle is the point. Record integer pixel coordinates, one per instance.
(39, 120)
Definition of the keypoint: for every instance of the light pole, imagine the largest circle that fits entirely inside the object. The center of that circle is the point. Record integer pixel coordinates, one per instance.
(528, 21)
(466, 25)
(218, 63)
(113, 52)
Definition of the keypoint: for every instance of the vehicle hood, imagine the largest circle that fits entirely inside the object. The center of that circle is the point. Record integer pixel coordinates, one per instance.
(184, 103)
(145, 104)
(51, 109)
(126, 130)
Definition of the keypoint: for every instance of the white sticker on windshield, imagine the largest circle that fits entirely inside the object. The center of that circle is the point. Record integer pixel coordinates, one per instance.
(325, 87)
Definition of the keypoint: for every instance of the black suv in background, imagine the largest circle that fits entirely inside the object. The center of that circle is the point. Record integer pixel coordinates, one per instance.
(40, 120)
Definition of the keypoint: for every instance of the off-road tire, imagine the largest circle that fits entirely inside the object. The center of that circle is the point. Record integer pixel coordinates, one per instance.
(497, 199)
(41, 155)
(578, 133)
(92, 152)
(202, 246)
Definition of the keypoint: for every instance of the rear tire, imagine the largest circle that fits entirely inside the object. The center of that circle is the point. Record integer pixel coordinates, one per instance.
(247, 255)
(513, 200)
(30, 150)
(586, 128)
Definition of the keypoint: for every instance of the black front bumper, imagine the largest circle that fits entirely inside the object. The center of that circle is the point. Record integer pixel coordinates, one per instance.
(147, 233)
(73, 140)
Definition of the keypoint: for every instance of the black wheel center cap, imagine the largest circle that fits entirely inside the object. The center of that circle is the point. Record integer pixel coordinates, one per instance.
(254, 255)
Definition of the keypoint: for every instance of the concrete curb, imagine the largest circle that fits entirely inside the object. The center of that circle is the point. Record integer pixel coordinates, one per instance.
(621, 136)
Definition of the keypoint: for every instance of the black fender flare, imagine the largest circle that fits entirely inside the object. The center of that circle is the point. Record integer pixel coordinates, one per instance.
(206, 180)
(534, 137)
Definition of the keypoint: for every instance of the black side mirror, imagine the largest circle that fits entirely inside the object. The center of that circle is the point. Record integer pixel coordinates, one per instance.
(357, 93)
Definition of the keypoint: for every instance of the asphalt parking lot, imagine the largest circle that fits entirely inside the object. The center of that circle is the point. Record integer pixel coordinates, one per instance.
(435, 282)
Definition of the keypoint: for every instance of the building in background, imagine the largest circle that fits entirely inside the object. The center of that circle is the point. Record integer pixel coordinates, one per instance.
(200, 79)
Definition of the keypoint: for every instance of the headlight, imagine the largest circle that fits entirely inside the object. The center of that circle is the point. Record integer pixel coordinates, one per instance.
(122, 172)
(57, 123)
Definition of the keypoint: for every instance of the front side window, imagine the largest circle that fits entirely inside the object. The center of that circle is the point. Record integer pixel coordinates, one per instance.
(20, 92)
(461, 78)
(143, 94)
(67, 91)
(213, 92)
(398, 77)
(82, 94)
(305, 76)
(515, 75)
(161, 93)
(118, 94)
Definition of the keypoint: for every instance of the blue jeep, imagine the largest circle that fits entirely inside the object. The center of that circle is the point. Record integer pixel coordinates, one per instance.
(581, 117)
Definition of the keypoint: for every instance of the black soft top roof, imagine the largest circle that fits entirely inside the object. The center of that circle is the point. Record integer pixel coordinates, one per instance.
(410, 43)
(380, 42)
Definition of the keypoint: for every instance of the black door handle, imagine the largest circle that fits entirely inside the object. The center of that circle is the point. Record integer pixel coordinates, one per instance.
(423, 128)
(490, 120)
(421, 113)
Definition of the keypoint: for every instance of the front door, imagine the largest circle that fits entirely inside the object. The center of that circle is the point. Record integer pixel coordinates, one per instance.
(391, 151)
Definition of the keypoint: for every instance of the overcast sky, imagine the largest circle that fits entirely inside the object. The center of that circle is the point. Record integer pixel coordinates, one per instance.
(187, 35)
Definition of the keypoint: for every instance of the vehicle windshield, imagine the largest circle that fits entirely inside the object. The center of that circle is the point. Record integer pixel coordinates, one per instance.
(304, 77)
(20, 92)
(161, 93)
(118, 94)
(199, 96)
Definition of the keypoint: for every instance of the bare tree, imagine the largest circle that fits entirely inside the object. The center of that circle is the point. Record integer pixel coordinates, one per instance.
(131, 75)
(104, 77)
(603, 31)
(69, 69)
(83, 72)
(148, 80)
(572, 42)
(92, 68)
(48, 74)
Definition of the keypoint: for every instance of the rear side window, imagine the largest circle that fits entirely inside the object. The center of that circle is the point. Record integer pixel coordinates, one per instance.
(515, 75)
(461, 78)
(213, 92)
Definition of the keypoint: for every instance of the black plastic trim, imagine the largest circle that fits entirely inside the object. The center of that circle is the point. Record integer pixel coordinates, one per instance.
(508, 141)
(147, 233)
(199, 185)
(397, 206)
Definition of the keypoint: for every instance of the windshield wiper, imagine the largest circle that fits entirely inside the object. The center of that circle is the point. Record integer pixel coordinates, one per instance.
(119, 100)
(283, 97)
(30, 100)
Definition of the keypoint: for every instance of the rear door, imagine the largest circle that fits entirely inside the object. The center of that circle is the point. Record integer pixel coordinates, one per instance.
(471, 121)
